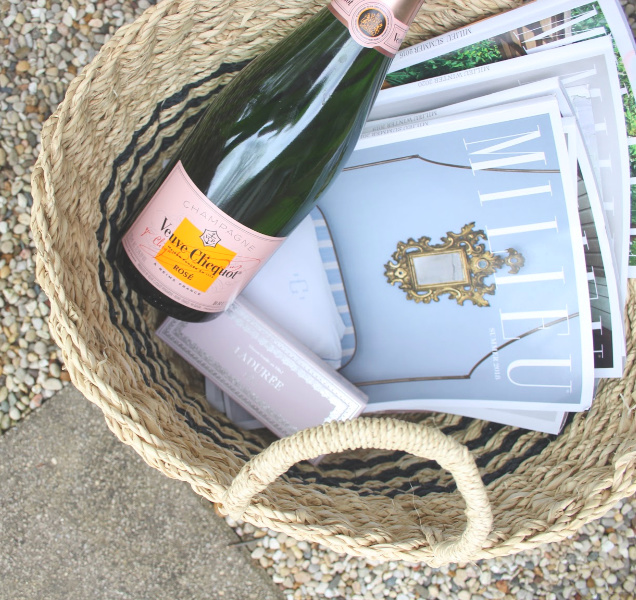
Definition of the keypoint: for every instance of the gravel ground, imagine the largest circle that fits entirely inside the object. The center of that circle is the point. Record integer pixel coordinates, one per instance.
(43, 45)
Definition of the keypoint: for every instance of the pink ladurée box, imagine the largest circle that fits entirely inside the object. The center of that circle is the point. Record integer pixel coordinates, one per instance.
(275, 378)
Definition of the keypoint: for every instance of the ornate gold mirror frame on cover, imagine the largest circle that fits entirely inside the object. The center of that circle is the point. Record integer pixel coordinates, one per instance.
(457, 267)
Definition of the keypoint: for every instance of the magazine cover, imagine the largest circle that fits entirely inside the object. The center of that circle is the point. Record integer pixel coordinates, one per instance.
(609, 340)
(531, 29)
(465, 271)
(607, 328)
(589, 65)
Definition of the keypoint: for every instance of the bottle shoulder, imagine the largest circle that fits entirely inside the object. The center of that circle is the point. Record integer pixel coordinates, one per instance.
(291, 108)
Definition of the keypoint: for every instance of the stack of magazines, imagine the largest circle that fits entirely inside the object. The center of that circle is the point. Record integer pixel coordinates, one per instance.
(482, 234)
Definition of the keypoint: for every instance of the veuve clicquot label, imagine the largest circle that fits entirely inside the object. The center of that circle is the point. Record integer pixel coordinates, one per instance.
(371, 24)
(190, 250)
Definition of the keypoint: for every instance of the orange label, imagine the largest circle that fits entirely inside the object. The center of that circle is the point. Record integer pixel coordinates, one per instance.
(195, 257)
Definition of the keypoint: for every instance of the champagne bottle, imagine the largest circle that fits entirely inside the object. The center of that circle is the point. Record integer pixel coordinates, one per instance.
(259, 158)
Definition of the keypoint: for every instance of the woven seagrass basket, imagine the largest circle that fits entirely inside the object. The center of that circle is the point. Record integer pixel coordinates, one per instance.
(426, 488)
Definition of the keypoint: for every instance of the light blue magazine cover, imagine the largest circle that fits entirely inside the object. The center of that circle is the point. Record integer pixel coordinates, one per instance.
(461, 255)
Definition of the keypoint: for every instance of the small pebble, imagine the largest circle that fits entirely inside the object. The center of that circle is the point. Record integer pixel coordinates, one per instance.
(51, 384)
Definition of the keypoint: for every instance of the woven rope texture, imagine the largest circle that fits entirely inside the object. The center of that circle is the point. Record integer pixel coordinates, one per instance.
(430, 488)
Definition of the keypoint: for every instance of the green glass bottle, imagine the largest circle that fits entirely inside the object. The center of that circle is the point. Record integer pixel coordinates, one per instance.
(259, 158)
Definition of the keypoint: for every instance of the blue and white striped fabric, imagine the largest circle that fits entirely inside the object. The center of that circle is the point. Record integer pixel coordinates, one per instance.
(332, 268)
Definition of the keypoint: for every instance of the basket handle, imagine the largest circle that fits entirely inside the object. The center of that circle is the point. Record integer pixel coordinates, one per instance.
(383, 434)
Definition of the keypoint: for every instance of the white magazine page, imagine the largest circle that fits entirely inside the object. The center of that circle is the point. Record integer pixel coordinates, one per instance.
(544, 421)
(590, 63)
(604, 287)
(580, 97)
(550, 86)
(491, 173)
(607, 323)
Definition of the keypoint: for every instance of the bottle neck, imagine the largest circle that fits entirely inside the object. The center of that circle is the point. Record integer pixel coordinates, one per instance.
(378, 24)
(405, 10)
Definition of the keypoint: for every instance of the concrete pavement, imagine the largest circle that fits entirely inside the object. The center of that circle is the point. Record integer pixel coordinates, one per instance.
(82, 516)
